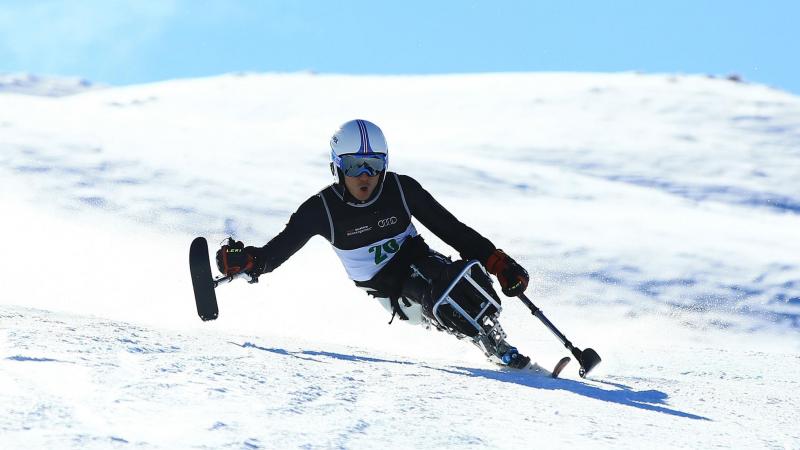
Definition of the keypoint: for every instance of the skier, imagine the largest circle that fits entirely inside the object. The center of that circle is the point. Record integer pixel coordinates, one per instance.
(366, 216)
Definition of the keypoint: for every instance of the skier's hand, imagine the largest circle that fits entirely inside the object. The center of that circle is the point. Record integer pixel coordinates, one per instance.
(513, 278)
(234, 258)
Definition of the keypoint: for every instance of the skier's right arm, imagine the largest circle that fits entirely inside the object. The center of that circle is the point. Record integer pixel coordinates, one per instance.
(309, 220)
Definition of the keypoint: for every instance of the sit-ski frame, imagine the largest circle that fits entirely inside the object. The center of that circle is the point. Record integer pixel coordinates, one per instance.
(446, 299)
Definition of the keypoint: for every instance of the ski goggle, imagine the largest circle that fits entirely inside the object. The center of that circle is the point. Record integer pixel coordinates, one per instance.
(354, 165)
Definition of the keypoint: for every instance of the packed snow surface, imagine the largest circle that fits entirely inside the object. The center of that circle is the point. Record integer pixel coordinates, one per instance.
(658, 216)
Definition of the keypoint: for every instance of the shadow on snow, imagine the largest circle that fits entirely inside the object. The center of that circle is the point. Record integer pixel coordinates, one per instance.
(650, 400)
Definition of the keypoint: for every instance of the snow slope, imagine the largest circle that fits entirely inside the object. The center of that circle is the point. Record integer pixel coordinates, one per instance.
(658, 215)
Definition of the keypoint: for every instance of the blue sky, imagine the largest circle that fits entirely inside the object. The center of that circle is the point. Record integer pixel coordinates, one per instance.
(124, 42)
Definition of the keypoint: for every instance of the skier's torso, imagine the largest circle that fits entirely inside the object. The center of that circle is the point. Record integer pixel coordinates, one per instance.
(367, 236)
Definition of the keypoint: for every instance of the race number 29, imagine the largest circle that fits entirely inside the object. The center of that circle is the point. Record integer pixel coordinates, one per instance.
(382, 251)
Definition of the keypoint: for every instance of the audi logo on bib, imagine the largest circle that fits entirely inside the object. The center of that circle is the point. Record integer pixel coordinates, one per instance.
(386, 222)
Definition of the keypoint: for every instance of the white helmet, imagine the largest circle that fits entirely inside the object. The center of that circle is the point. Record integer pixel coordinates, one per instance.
(358, 136)
(363, 140)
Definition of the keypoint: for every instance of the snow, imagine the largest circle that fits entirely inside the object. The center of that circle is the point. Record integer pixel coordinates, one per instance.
(49, 86)
(657, 214)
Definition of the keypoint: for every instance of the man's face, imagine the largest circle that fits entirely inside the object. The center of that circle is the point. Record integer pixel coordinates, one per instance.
(361, 187)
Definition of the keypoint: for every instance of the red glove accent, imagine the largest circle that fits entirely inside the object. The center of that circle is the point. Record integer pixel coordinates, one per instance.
(513, 278)
(234, 258)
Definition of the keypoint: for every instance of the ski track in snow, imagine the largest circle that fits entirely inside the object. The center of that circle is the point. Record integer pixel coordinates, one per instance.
(222, 391)
(657, 214)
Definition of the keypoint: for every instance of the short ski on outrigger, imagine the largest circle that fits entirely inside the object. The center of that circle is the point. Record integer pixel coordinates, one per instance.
(204, 282)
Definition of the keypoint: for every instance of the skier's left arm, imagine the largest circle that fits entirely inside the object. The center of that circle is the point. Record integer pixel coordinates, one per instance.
(469, 243)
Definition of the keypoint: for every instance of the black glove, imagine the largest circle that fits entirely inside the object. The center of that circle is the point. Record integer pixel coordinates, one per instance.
(234, 258)
(513, 278)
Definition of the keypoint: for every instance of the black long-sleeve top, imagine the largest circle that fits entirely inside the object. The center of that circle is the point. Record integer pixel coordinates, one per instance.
(368, 236)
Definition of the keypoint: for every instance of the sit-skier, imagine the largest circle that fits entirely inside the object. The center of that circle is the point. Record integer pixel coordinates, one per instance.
(366, 216)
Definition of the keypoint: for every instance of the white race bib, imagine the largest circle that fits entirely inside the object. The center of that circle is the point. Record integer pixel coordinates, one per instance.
(363, 263)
